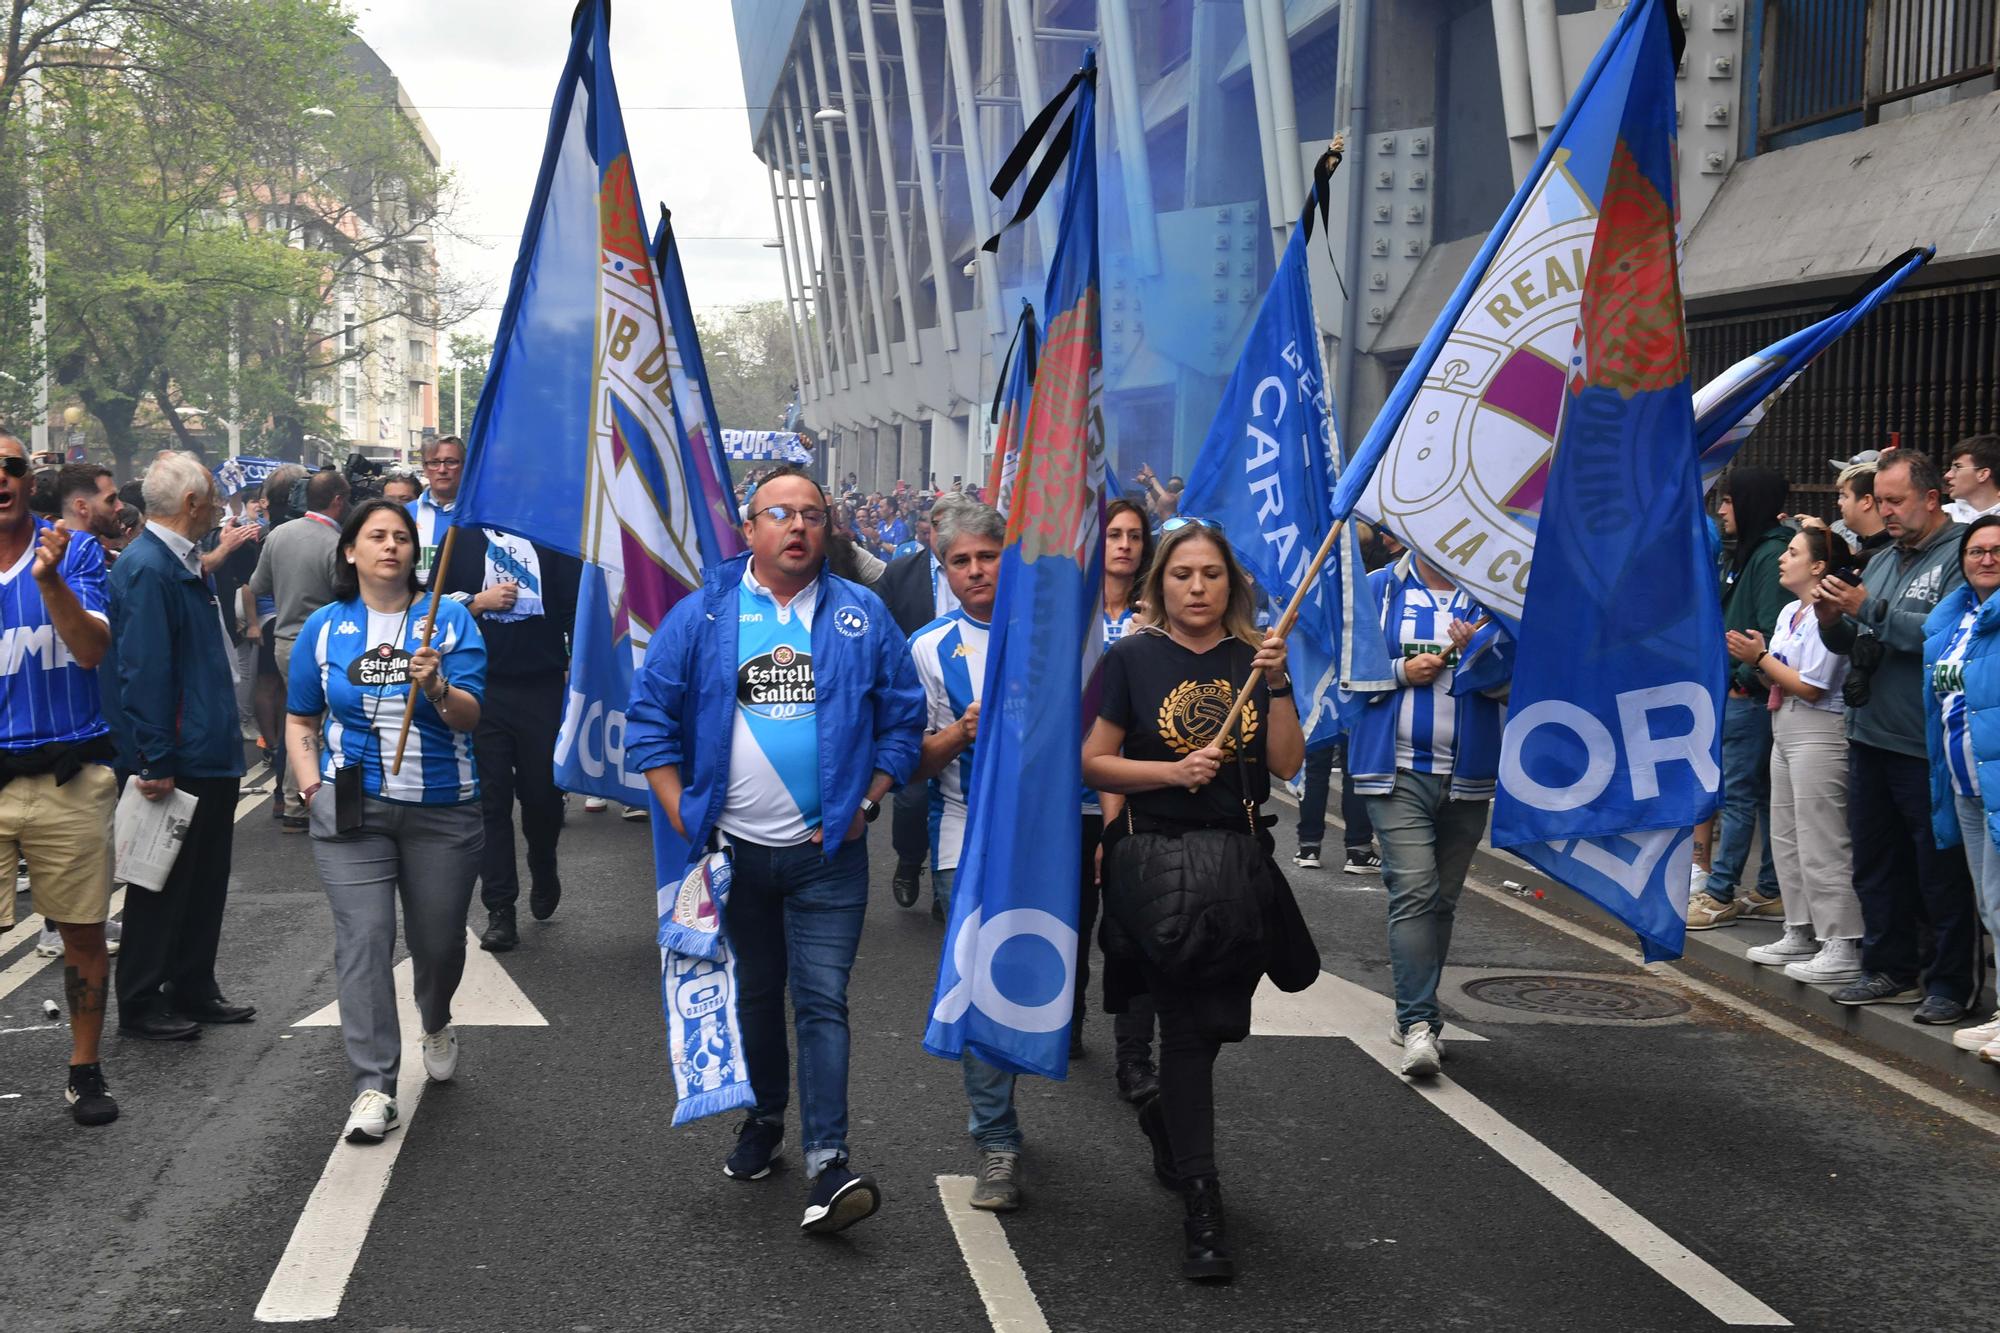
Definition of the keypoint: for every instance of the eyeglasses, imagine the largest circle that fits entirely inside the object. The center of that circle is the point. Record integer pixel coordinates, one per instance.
(14, 465)
(782, 515)
(443, 464)
(1178, 522)
(1980, 554)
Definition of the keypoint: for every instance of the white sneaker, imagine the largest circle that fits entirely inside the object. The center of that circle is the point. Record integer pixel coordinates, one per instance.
(1420, 1052)
(1972, 1039)
(114, 934)
(595, 805)
(1837, 963)
(635, 812)
(371, 1117)
(1990, 1052)
(441, 1055)
(1796, 946)
(50, 945)
(1437, 1038)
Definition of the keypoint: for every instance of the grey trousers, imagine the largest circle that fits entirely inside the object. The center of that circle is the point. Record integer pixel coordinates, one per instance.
(428, 855)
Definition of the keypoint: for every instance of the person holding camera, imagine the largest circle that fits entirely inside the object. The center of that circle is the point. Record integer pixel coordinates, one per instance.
(1808, 829)
(1900, 874)
(379, 833)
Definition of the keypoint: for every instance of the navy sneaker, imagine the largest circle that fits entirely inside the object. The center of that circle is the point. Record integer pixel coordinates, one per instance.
(756, 1148)
(1878, 988)
(838, 1200)
(1938, 1010)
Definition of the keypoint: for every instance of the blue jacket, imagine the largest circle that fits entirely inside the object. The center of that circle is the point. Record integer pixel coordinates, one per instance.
(1478, 717)
(169, 694)
(869, 707)
(1982, 703)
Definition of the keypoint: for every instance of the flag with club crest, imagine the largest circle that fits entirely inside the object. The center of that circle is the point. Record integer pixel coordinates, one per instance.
(1010, 410)
(1008, 967)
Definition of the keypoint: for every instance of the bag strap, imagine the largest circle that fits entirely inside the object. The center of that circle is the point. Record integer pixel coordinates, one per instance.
(1243, 774)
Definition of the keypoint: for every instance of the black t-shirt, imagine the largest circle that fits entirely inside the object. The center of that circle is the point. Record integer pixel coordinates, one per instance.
(1171, 702)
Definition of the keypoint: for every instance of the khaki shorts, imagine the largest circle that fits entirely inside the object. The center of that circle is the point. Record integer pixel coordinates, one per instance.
(65, 835)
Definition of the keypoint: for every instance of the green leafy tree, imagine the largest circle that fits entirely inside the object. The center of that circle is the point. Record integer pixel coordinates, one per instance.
(751, 374)
(461, 382)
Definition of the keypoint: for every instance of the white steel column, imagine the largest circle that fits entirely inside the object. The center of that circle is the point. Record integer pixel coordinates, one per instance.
(1284, 108)
(972, 145)
(1128, 118)
(808, 296)
(1028, 75)
(920, 136)
(1517, 97)
(1545, 66)
(864, 192)
(1260, 98)
(850, 291)
(880, 125)
(826, 336)
(799, 359)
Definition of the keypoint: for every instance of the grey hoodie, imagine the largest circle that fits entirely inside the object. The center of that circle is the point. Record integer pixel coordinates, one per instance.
(1903, 588)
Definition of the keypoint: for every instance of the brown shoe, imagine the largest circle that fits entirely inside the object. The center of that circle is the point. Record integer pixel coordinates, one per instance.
(1706, 913)
(1758, 908)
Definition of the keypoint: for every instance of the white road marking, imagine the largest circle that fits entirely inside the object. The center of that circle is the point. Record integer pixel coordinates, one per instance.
(311, 1278)
(16, 974)
(1329, 1008)
(1359, 1021)
(1832, 1050)
(1010, 1303)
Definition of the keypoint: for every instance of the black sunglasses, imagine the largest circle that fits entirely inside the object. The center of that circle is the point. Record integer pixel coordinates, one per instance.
(14, 465)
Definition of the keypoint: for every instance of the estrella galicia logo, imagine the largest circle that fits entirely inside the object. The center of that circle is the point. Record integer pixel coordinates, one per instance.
(851, 621)
(778, 684)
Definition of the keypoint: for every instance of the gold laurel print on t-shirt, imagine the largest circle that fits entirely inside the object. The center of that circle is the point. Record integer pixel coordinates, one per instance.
(1192, 714)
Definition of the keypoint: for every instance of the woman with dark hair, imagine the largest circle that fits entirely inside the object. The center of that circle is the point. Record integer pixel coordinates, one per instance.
(1752, 498)
(1167, 687)
(1808, 829)
(380, 833)
(1962, 726)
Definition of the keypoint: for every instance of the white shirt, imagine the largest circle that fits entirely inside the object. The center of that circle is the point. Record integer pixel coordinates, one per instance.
(1961, 512)
(1796, 642)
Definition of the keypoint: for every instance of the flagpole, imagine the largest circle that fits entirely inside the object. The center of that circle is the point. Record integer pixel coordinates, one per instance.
(1284, 626)
(430, 628)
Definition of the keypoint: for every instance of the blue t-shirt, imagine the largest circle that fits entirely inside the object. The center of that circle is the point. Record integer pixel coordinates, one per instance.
(45, 697)
(774, 746)
(352, 664)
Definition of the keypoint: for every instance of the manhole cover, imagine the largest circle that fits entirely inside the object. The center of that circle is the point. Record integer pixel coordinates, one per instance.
(1577, 997)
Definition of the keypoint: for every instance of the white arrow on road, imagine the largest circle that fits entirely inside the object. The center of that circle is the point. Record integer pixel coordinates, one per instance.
(1335, 1007)
(311, 1277)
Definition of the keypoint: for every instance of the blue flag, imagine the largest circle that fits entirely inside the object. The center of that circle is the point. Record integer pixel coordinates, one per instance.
(1008, 969)
(1011, 410)
(1266, 473)
(1730, 406)
(700, 432)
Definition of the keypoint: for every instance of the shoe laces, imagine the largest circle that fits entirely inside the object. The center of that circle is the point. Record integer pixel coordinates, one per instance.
(371, 1101)
(999, 1167)
(87, 1081)
(437, 1043)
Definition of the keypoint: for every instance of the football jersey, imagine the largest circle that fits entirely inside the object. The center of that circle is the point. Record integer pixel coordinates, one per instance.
(1426, 730)
(1948, 681)
(774, 744)
(950, 657)
(46, 698)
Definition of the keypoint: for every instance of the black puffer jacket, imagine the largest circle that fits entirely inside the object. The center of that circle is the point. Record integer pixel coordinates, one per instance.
(1199, 937)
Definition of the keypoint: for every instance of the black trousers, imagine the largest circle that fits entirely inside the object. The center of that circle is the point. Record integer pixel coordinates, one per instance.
(1194, 1026)
(1131, 1030)
(171, 937)
(515, 745)
(1903, 880)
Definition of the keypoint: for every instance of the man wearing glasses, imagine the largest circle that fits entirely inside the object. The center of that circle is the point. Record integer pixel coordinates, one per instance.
(524, 597)
(772, 713)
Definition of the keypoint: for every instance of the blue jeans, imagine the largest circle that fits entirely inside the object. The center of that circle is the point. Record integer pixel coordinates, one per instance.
(1312, 806)
(988, 1091)
(1746, 798)
(795, 916)
(1426, 840)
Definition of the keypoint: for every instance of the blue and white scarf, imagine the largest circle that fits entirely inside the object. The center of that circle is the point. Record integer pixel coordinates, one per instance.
(698, 992)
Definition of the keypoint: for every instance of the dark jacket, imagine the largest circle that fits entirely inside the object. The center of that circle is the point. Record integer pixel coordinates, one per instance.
(537, 646)
(169, 695)
(1903, 588)
(1751, 598)
(905, 588)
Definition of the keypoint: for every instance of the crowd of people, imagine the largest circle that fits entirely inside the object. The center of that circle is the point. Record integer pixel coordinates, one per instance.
(405, 706)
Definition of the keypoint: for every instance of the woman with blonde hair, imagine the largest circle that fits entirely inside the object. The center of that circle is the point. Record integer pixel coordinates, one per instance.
(1192, 898)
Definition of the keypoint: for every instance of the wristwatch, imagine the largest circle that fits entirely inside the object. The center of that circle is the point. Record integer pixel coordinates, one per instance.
(870, 809)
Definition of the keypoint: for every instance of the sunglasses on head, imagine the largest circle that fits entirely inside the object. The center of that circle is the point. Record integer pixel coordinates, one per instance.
(14, 465)
(1178, 522)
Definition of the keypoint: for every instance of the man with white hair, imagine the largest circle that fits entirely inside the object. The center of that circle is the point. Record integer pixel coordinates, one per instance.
(175, 722)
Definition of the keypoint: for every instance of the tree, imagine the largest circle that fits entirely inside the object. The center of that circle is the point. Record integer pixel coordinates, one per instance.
(460, 383)
(751, 374)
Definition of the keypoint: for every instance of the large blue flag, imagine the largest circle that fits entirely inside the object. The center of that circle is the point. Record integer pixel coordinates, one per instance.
(1008, 969)
(701, 433)
(1267, 473)
(1730, 406)
(577, 444)
(1011, 410)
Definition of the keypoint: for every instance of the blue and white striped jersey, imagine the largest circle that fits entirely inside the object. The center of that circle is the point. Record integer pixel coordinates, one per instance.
(1427, 719)
(950, 657)
(45, 697)
(1948, 680)
(352, 664)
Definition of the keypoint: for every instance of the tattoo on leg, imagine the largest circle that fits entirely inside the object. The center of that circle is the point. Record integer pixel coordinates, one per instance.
(86, 995)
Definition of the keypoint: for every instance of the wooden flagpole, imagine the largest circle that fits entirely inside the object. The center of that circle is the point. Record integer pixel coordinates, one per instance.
(1283, 628)
(430, 628)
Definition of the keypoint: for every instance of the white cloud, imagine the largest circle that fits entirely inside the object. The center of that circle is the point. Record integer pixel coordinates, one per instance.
(482, 73)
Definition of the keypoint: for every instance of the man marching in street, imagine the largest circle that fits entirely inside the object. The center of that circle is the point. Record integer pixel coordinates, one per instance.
(950, 657)
(774, 710)
(56, 784)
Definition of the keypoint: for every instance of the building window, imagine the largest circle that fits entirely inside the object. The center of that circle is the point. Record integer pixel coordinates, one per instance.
(350, 404)
(350, 331)
(1832, 65)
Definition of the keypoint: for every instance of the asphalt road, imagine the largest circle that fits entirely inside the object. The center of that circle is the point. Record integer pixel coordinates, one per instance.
(546, 1189)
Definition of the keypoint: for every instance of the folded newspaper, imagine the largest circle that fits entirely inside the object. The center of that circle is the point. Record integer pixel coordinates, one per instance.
(148, 835)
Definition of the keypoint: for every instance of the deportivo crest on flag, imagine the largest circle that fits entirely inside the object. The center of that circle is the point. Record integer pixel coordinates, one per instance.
(577, 443)
(1008, 970)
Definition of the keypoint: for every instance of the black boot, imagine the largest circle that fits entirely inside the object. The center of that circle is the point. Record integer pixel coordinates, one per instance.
(1137, 1080)
(1207, 1256)
(1153, 1120)
(500, 934)
(904, 884)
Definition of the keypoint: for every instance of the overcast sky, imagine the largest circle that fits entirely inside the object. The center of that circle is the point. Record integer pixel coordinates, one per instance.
(483, 73)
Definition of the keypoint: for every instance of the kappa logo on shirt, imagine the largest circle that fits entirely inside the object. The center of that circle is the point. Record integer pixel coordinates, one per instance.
(347, 627)
(851, 621)
(961, 650)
